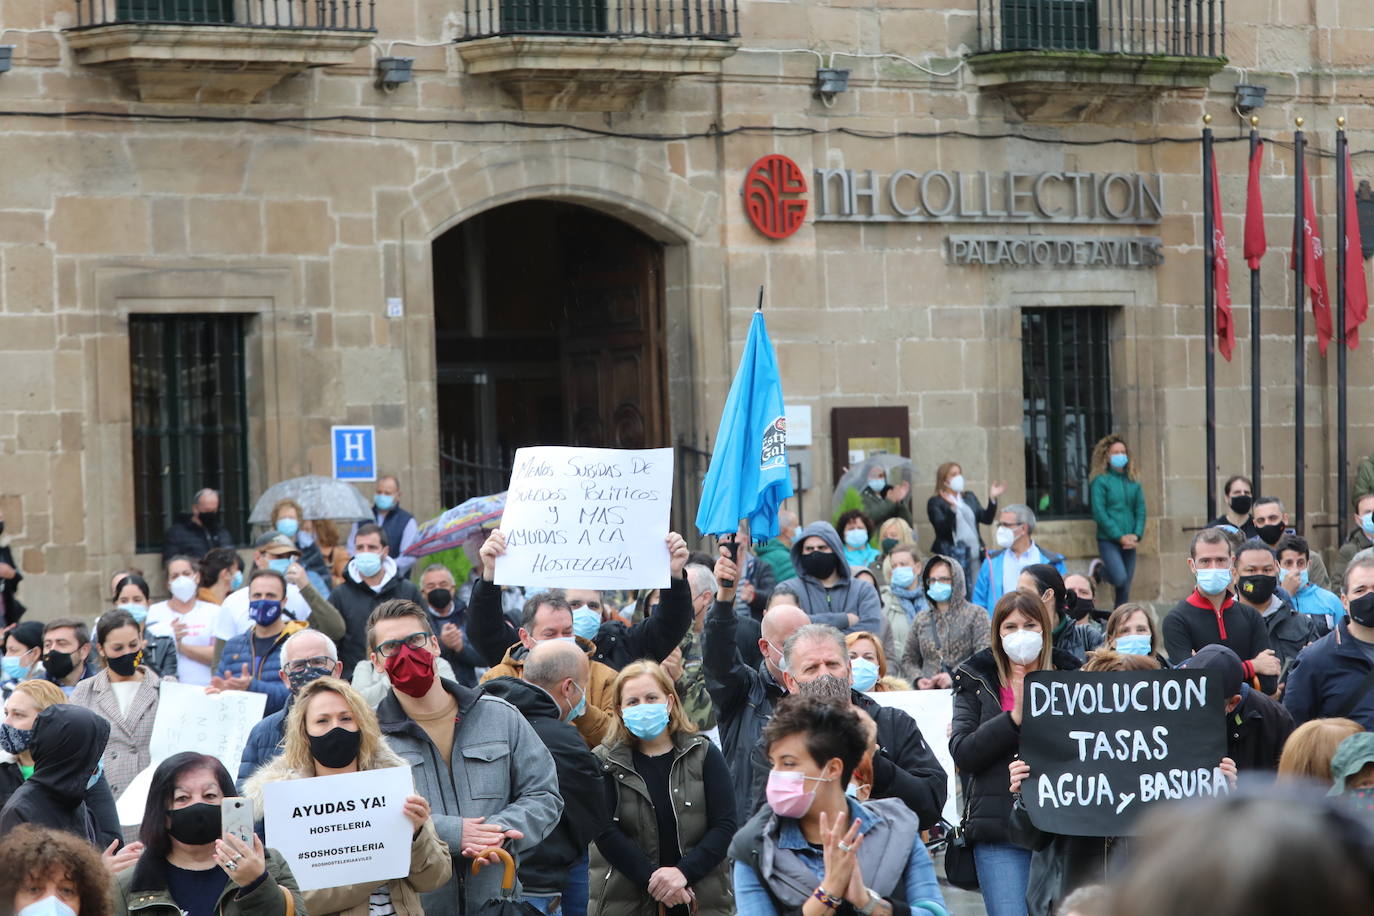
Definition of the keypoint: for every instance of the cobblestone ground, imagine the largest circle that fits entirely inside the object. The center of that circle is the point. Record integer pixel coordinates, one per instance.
(959, 902)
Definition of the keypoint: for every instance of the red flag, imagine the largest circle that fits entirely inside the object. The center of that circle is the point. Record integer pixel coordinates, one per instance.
(1356, 292)
(1255, 243)
(1221, 271)
(1314, 272)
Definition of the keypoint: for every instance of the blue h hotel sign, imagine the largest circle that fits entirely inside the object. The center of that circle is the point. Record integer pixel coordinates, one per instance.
(355, 452)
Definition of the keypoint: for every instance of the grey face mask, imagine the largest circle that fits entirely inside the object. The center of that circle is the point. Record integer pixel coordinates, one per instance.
(825, 687)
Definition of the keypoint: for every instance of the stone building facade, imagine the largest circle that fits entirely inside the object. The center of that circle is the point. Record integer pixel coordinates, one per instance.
(541, 234)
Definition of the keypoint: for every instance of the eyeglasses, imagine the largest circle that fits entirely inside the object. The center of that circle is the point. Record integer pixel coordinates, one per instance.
(416, 640)
(300, 664)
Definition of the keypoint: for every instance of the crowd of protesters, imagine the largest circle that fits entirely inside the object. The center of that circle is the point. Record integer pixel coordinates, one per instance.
(706, 748)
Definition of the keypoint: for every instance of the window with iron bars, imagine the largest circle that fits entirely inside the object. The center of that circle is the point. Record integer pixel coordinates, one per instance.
(190, 419)
(1066, 403)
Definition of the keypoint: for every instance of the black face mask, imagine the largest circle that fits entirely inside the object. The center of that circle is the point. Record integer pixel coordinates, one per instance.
(336, 748)
(1258, 589)
(123, 665)
(888, 544)
(210, 520)
(818, 564)
(440, 598)
(59, 664)
(1362, 609)
(195, 825)
(1270, 534)
(1241, 504)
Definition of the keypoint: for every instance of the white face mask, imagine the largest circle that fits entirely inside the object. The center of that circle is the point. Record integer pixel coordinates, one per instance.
(183, 588)
(1005, 537)
(956, 483)
(1023, 646)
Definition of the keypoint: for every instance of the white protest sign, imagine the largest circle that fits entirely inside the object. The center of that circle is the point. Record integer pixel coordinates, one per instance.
(587, 518)
(933, 711)
(344, 829)
(132, 801)
(189, 719)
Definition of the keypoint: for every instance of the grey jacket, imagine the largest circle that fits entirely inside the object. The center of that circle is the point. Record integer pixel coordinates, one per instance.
(500, 770)
(847, 596)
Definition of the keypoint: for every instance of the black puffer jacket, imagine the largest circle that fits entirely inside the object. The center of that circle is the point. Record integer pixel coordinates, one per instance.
(189, 538)
(66, 747)
(544, 869)
(983, 741)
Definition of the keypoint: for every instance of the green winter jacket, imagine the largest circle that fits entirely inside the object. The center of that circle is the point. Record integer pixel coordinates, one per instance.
(1118, 505)
(779, 556)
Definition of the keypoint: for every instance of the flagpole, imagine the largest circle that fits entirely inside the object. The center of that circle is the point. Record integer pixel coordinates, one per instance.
(1342, 468)
(1209, 314)
(1256, 420)
(1300, 329)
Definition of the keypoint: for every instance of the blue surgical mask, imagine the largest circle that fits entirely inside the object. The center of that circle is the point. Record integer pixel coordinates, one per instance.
(279, 564)
(305, 539)
(647, 720)
(1119, 461)
(852, 790)
(1302, 579)
(369, 564)
(99, 772)
(856, 537)
(48, 906)
(581, 706)
(14, 740)
(1134, 644)
(288, 526)
(939, 591)
(137, 611)
(903, 576)
(863, 674)
(796, 533)
(876, 484)
(586, 623)
(13, 669)
(236, 583)
(1213, 581)
(384, 501)
(1367, 523)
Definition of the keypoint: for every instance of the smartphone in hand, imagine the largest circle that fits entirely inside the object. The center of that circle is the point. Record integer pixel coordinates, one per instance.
(236, 817)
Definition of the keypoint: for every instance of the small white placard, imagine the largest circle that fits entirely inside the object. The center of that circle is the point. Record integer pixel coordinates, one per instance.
(933, 711)
(798, 423)
(189, 719)
(344, 829)
(587, 518)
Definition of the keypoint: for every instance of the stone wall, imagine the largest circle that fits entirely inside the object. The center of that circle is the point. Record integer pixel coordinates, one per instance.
(311, 228)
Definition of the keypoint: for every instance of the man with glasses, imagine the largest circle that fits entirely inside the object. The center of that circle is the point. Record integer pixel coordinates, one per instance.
(1018, 549)
(306, 656)
(488, 778)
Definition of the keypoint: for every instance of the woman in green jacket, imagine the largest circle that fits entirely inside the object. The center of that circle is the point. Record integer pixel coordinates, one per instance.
(1118, 505)
(189, 866)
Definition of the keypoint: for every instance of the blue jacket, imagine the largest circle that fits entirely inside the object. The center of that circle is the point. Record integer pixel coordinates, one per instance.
(266, 671)
(1316, 601)
(1326, 677)
(988, 588)
(264, 743)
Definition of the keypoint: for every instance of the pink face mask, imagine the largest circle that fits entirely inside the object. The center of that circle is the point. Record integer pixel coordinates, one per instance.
(787, 793)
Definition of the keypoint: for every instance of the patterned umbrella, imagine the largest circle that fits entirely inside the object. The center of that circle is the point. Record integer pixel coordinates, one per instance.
(454, 526)
(320, 497)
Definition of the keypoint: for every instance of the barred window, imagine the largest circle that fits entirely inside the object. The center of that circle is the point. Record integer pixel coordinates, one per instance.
(1066, 403)
(190, 419)
(1070, 25)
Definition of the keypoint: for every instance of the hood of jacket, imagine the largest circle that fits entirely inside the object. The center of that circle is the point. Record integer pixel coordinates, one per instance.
(826, 532)
(67, 744)
(959, 596)
(533, 702)
(278, 770)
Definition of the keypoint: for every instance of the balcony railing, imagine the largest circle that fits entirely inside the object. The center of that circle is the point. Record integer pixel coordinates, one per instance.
(318, 15)
(716, 20)
(1176, 28)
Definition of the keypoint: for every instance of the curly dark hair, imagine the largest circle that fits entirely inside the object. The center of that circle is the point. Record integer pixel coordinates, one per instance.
(848, 516)
(832, 729)
(39, 853)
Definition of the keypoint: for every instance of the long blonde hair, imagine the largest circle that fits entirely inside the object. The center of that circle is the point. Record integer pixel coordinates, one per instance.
(677, 719)
(296, 744)
(1100, 462)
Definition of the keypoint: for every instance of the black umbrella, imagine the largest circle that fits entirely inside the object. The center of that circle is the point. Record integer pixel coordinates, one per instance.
(507, 904)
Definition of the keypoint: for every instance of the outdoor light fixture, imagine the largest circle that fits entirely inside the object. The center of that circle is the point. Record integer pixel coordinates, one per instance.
(1248, 98)
(830, 82)
(393, 71)
(6, 57)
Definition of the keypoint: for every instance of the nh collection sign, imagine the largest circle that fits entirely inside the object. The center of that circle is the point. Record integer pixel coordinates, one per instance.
(777, 198)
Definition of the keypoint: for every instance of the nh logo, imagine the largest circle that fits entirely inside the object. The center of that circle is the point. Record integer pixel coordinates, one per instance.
(355, 452)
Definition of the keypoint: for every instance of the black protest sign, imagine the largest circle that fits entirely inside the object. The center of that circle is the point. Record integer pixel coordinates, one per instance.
(1105, 746)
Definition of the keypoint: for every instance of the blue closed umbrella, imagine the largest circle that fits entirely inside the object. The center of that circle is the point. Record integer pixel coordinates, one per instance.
(748, 477)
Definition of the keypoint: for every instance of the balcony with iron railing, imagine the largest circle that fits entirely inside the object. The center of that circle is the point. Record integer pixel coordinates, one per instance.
(596, 55)
(216, 50)
(1079, 58)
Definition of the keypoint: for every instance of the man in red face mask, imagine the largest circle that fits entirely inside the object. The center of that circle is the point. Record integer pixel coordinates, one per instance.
(485, 773)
